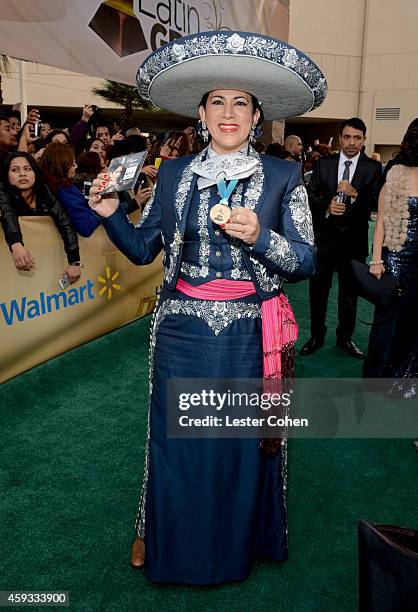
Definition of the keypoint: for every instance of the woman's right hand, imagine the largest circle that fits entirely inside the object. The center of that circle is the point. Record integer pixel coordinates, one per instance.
(377, 270)
(106, 206)
(22, 258)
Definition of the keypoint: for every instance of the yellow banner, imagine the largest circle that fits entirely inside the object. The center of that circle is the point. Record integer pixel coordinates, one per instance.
(39, 320)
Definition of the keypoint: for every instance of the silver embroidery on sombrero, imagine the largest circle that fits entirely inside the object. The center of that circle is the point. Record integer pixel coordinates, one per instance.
(251, 45)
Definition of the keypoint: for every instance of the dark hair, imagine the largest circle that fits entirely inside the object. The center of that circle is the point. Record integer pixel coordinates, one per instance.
(4, 117)
(131, 144)
(354, 122)
(256, 106)
(89, 143)
(413, 124)
(275, 149)
(49, 137)
(13, 113)
(408, 153)
(183, 147)
(89, 163)
(39, 185)
(55, 163)
(102, 123)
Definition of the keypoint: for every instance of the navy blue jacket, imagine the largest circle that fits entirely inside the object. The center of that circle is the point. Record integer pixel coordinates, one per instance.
(285, 247)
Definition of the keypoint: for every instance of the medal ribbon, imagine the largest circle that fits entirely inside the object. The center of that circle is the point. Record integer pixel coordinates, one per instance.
(226, 190)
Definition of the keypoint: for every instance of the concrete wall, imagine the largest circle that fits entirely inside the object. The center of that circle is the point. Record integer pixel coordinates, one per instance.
(368, 50)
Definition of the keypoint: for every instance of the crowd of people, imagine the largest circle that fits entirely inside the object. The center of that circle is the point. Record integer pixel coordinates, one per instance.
(49, 173)
(235, 221)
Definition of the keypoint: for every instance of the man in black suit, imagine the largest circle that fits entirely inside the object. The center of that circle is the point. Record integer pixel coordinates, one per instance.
(341, 230)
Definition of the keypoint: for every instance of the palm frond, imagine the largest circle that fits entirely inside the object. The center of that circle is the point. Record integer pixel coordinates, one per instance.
(121, 94)
(4, 64)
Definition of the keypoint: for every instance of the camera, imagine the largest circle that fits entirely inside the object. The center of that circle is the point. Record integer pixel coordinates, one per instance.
(64, 281)
(94, 119)
(86, 189)
(37, 127)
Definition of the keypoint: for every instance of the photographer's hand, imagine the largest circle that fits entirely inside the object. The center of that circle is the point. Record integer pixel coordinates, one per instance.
(117, 136)
(87, 113)
(33, 116)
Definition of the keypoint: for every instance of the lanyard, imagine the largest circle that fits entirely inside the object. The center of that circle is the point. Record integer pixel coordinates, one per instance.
(226, 190)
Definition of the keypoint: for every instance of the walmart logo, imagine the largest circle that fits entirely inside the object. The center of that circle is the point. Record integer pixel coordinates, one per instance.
(21, 309)
(108, 283)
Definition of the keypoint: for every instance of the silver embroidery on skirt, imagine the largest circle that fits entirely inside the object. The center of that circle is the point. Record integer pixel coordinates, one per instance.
(140, 518)
(217, 315)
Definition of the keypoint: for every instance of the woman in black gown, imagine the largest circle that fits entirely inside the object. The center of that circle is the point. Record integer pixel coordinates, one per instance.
(393, 343)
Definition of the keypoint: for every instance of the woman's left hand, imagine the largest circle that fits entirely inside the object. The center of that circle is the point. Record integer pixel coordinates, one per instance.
(244, 225)
(73, 273)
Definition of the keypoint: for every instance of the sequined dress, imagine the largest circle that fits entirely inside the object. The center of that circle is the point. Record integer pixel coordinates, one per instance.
(393, 342)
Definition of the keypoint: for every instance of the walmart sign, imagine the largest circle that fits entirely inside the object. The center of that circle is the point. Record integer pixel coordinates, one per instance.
(18, 310)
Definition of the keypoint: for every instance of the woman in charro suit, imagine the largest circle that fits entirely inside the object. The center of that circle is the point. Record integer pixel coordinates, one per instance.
(209, 506)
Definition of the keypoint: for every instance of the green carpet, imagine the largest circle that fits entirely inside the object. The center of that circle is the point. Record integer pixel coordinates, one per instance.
(72, 444)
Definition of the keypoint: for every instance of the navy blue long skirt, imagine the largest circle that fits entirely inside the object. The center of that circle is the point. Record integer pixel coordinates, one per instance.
(208, 506)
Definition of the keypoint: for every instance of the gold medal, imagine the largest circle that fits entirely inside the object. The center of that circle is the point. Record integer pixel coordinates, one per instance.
(220, 214)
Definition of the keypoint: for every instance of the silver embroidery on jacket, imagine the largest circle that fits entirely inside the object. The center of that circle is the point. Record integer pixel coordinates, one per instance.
(267, 282)
(301, 214)
(185, 182)
(239, 271)
(147, 208)
(201, 271)
(174, 253)
(280, 253)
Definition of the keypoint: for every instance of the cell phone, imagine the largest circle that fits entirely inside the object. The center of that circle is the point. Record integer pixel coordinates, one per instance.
(64, 281)
(157, 162)
(86, 189)
(37, 127)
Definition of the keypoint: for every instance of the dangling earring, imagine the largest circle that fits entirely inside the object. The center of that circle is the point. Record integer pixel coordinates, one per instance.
(251, 136)
(202, 130)
(205, 131)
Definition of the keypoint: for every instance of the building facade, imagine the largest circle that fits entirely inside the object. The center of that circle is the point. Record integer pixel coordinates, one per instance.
(367, 49)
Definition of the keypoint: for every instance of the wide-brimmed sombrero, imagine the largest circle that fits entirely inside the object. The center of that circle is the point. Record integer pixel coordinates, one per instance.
(285, 81)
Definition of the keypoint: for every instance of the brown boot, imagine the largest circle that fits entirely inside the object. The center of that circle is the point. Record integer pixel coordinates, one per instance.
(138, 553)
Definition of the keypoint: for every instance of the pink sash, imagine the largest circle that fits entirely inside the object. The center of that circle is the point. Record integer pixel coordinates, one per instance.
(279, 327)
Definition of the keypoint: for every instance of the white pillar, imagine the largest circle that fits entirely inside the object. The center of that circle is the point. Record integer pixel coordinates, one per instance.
(22, 91)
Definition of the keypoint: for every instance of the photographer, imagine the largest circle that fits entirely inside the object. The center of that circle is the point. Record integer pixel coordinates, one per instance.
(80, 131)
